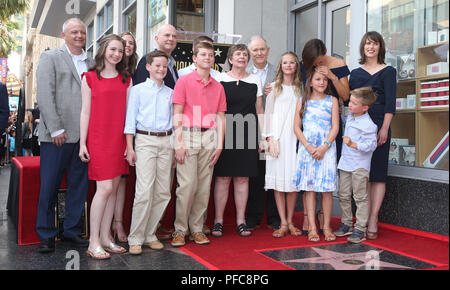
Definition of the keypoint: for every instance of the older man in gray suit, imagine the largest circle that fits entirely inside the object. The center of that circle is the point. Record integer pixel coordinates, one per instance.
(59, 98)
(259, 65)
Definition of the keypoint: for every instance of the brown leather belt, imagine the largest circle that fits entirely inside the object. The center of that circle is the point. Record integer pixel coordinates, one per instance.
(195, 129)
(158, 134)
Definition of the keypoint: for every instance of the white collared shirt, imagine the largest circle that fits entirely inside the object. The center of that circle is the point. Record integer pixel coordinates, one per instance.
(363, 131)
(262, 73)
(187, 70)
(149, 108)
(79, 61)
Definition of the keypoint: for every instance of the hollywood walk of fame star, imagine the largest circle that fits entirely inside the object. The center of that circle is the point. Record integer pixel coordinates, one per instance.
(217, 52)
(347, 261)
(175, 250)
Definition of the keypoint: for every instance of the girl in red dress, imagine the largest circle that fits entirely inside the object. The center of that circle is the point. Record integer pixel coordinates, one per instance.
(104, 93)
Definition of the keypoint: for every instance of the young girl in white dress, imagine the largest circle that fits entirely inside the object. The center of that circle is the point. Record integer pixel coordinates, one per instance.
(316, 125)
(279, 132)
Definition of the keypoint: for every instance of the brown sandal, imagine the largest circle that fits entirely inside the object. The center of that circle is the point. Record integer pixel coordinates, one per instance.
(293, 230)
(313, 236)
(329, 236)
(371, 235)
(281, 232)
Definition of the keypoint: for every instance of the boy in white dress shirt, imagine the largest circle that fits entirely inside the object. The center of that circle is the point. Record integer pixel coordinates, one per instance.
(149, 117)
(360, 140)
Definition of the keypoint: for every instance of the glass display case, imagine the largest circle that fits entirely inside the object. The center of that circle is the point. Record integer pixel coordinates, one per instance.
(416, 36)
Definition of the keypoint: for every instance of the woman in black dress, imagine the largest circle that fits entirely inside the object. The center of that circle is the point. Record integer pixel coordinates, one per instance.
(381, 78)
(239, 159)
(314, 57)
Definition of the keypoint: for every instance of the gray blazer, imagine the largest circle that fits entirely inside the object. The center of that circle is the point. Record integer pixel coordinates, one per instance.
(59, 94)
(271, 71)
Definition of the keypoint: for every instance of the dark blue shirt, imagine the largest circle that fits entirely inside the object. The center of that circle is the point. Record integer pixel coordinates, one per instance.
(383, 83)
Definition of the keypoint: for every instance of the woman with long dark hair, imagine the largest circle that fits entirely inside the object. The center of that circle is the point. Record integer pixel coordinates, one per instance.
(130, 53)
(131, 61)
(315, 58)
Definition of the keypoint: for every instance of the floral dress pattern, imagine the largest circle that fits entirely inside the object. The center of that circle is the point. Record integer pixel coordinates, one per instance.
(311, 174)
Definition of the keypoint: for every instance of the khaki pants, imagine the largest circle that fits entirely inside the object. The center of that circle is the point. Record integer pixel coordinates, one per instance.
(358, 181)
(194, 181)
(154, 157)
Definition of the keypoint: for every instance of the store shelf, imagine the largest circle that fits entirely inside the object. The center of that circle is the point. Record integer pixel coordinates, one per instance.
(424, 127)
(433, 77)
(427, 55)
(405, 111)
(404, 127)
(433, 46)
(433, 109)
(433, 125)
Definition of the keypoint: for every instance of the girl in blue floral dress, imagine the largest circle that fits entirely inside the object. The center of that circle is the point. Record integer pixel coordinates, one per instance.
(316, 125)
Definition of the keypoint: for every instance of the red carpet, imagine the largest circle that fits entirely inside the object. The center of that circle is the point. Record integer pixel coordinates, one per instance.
(232, 252)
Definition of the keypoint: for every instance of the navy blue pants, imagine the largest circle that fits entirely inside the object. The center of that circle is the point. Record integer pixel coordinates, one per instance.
(54, 162)
(257, 201)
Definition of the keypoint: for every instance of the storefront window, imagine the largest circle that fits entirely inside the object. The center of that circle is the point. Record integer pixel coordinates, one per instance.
(127, 3)
(306, 27)
(157, 15)
(105, 20)
(90, 39)
(190, 15)
(109, 13)
(129, 16)
(416, 34)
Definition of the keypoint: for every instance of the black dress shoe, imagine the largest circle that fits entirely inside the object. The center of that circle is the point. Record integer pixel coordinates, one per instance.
(75, 241)
(47, 246)
(252, 226)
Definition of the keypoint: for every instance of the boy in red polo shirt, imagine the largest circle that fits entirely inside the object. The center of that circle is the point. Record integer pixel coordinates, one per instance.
(199, 124)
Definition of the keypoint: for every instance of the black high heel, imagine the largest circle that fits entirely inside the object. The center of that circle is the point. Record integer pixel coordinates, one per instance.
(304, 232)
(318, 220)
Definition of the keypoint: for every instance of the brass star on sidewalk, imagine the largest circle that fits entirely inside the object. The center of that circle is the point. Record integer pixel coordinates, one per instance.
(351, 261)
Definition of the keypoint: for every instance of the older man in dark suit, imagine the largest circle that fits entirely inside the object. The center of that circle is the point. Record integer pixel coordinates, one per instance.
(257, 196)
(59, 97)
(166, 41)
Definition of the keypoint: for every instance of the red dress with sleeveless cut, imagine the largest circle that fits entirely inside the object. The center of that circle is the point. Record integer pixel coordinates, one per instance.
(106, 142)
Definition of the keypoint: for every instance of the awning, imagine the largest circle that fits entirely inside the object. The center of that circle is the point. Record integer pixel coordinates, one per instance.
(48, 16)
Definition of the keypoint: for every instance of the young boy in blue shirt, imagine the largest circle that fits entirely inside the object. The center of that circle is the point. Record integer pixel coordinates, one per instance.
(149, 118)
(359, 142)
